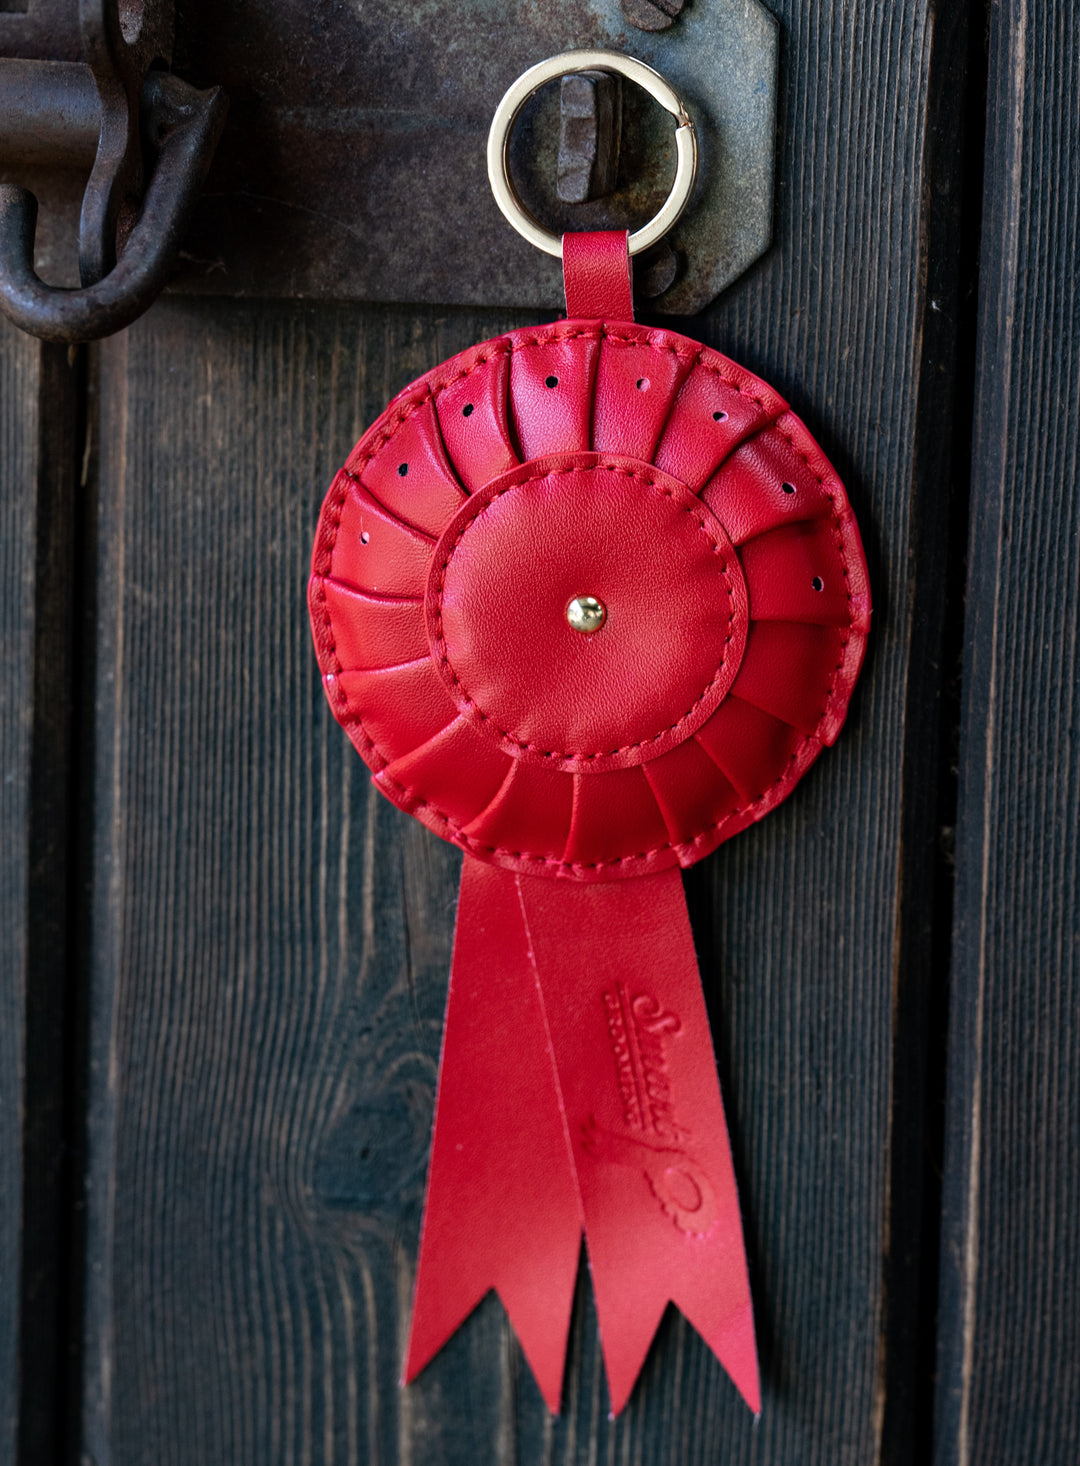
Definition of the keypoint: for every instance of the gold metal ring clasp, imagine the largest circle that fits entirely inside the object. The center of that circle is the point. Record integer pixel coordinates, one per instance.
(531, 81)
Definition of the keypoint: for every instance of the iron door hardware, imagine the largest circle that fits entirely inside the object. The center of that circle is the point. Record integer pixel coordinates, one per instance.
(352, 166)
(86, 84)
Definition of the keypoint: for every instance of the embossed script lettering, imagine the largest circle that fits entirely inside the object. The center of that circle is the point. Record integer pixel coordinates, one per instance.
(639, 1028)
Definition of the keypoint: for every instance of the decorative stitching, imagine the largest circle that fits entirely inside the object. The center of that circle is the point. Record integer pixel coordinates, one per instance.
(440, 640)
(506, 346)
(417, 801)
(839, 534)
(707, 366)
(352, 724)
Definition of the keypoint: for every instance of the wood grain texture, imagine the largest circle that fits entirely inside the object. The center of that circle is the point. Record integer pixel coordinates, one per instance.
(19, 373)
(38, 395)
(271, 940)
(1009, 1365)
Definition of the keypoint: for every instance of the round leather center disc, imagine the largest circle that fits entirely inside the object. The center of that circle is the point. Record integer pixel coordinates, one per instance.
(509, 644)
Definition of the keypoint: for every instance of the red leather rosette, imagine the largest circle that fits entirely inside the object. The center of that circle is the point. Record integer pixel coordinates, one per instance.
(578, 770)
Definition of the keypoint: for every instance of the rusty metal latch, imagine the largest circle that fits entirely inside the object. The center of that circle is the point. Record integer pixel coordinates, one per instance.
(351, 166)
(117, 108)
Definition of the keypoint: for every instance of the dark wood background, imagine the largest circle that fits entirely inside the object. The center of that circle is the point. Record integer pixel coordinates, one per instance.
(226, 956)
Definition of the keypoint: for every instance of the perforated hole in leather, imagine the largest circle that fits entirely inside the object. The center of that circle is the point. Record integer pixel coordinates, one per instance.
(830, 699)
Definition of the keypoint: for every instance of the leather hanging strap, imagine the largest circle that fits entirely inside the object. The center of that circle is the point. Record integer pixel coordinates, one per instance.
(596, 276)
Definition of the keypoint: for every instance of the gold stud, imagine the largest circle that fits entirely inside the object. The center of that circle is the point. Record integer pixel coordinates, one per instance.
(586, 614)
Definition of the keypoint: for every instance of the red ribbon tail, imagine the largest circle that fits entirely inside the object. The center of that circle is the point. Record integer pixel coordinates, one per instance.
(501, 1209)
(578, 1083)
(629, 1032)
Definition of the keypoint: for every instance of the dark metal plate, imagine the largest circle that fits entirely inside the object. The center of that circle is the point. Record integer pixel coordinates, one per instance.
(352, 166)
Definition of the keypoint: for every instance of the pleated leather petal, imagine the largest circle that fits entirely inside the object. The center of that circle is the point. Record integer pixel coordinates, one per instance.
(524, 414)
(473, 416)
(410, 473)
(798, 573)
(692, 794)
(533, 802)
(374, 631)
(551, 392)
(459, 771)
(790, 671)
(637, 378)
(715, 411)
(375, 551)
(751, 748)
(615, 816)
(400, 708)
(764, 484)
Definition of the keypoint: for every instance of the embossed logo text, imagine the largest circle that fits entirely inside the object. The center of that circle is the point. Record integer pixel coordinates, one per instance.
(639, 1030)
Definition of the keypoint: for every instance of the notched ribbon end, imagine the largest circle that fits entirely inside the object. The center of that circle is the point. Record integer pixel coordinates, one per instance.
(578, 1092)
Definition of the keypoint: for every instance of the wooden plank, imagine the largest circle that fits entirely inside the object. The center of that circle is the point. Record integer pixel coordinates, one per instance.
(1009, 1361)
(38, 415)
(271, 940)
(19, 363)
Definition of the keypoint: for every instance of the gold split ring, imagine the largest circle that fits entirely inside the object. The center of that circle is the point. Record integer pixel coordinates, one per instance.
(502, 124)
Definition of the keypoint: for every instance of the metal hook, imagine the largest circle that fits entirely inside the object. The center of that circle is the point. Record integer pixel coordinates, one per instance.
(187, 123)
(117, 103)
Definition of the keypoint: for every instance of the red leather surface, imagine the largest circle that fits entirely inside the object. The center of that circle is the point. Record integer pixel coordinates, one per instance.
(502, 1209)
(578, 1085)
(400, 707)
(539, 800)
(638, 376)
(473, 414)
(517, 553)
(578, 1088)
(748, 746)
(375, 550)
(597, 276)
(541, 402)
(428, 492)
(459, 773)
(717, 409)
(375, 631)
(616, 812)
(551, 384)
(690, 791)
